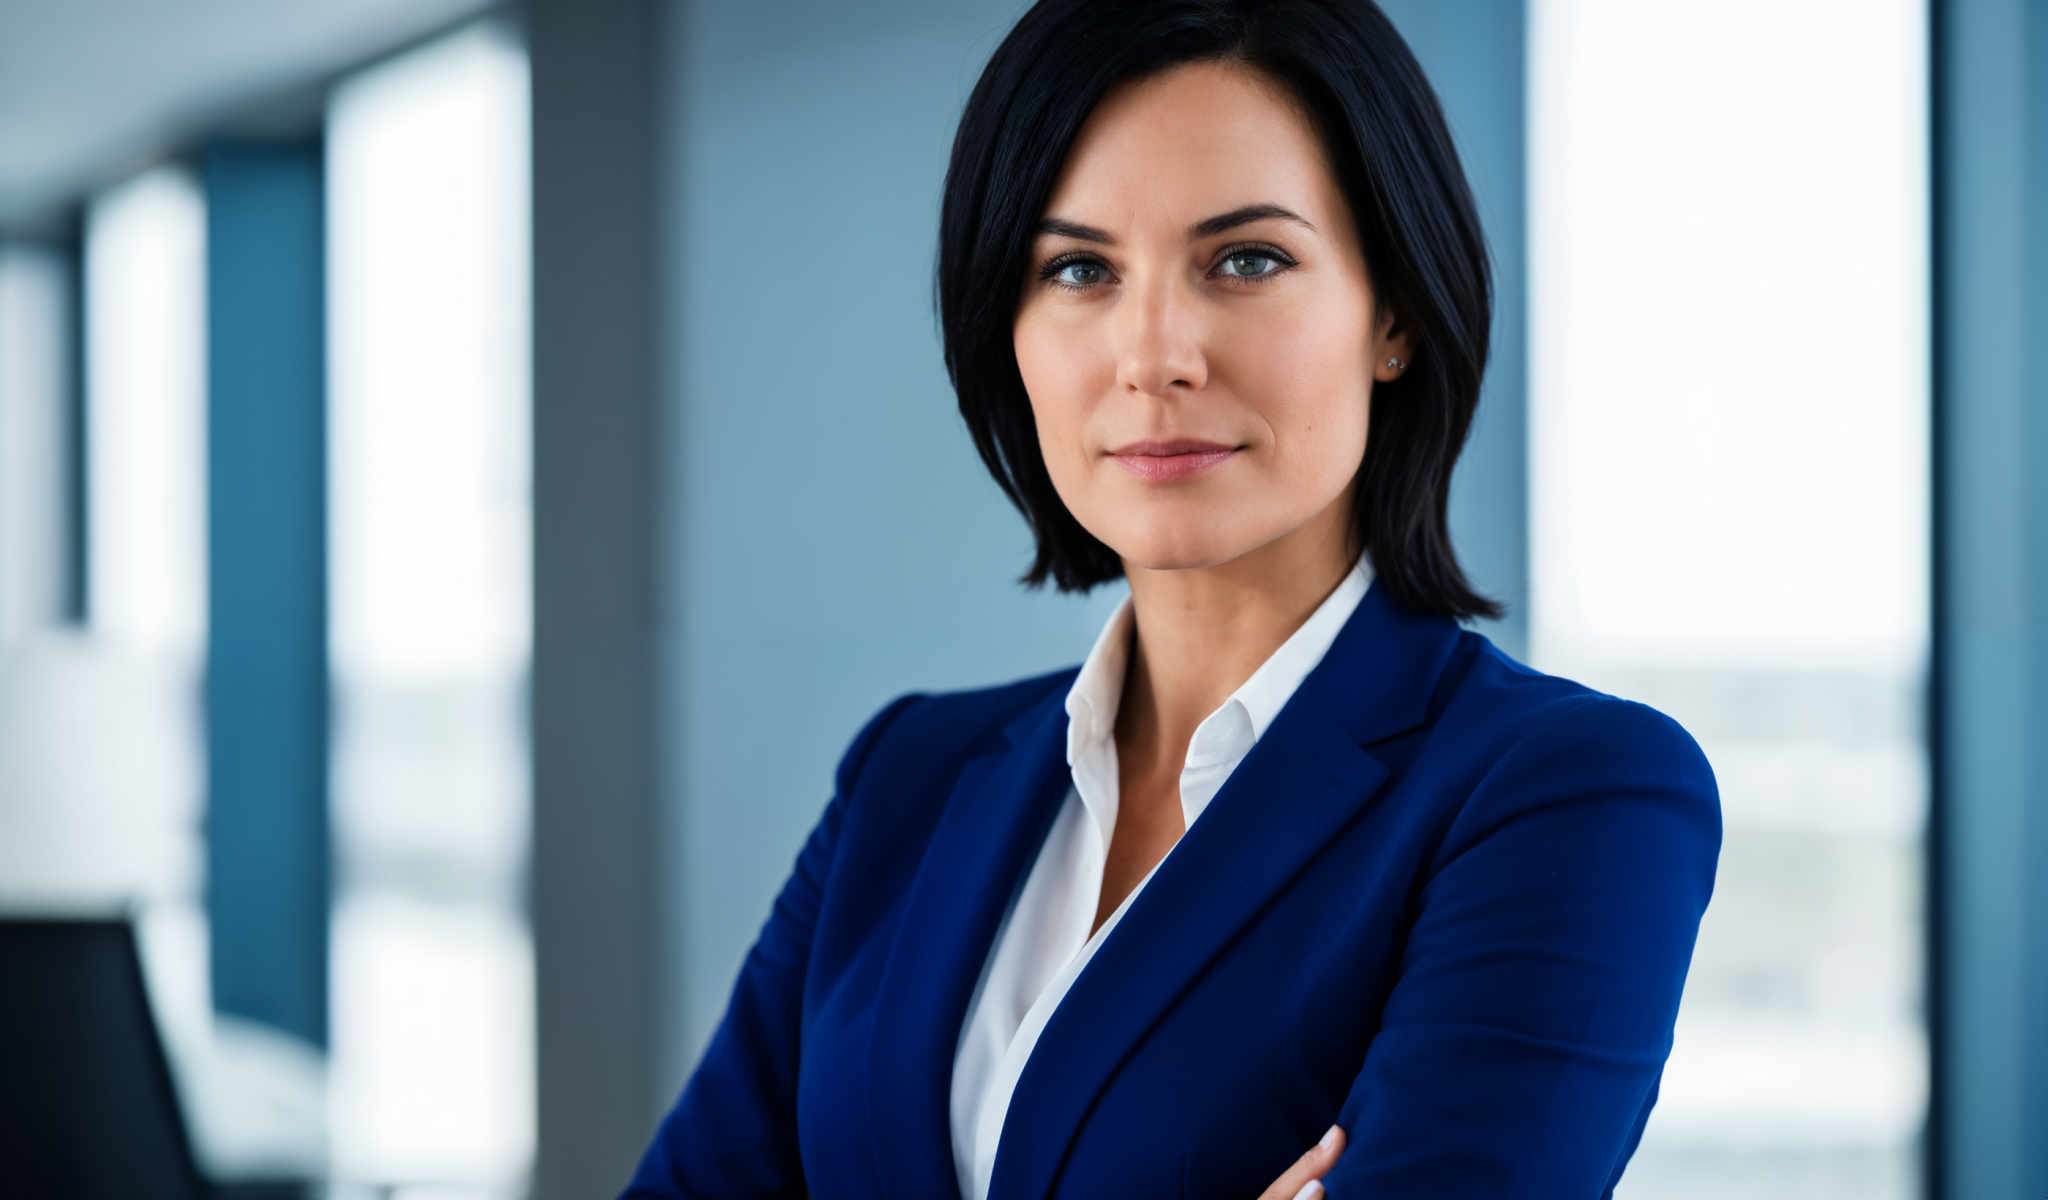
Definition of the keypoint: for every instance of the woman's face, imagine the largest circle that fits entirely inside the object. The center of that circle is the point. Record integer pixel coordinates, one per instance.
(1157, 324)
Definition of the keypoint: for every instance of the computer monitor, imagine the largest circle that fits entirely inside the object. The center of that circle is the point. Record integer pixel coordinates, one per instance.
(87, 1105)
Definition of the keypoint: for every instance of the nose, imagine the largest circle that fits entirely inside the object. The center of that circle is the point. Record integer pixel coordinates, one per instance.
(1159, 341)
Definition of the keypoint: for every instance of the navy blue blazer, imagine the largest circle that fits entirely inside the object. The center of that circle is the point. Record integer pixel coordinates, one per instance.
(1446, 902)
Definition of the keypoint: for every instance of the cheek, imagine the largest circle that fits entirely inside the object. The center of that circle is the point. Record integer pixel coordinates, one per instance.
(1055, 414)
(1056, 387)
(1322, 385)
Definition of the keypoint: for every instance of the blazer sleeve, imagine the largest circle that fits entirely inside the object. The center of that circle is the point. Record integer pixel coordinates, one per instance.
(1533, 1011)
(733, 1130)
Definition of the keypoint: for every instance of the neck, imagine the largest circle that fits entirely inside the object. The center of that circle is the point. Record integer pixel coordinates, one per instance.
(1201, 632)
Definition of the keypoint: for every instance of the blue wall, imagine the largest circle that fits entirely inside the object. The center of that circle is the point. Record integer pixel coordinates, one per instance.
(1474, 53)
(1989, 881)
(266, 526)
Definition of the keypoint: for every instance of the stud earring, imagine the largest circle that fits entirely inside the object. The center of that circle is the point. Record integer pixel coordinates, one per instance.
(1394, 363)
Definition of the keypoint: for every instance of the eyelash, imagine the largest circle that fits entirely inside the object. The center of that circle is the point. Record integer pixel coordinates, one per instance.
(1050, 271)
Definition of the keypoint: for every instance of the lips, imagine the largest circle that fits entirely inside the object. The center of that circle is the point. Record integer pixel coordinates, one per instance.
(1172, 446)
(1163, 462)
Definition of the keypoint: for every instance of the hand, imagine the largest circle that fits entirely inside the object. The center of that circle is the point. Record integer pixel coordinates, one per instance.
(1302, 1181)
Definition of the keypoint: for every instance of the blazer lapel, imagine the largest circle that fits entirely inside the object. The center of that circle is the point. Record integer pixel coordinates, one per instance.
(995, 818)
(1304, 780)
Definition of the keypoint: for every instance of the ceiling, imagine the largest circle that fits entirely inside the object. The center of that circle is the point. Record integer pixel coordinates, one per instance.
(93, 89)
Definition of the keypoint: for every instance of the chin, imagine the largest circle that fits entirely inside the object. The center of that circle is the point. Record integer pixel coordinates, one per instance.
(1179, 548)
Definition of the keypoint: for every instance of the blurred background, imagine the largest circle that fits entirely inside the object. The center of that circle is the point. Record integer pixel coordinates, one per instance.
(466, 471)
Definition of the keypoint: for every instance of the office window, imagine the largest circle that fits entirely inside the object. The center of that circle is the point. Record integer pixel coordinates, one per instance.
(145, 402)
(1729, 424)
(433, 1023)
(144, 312)
(35, 340)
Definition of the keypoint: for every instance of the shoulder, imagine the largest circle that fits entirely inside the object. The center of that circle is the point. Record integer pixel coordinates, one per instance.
(1526, 720)
(946, 725)
(1533, 740)
(1556, 779)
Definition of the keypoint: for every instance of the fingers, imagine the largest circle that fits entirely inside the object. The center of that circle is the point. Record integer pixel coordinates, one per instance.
(1302, 1181)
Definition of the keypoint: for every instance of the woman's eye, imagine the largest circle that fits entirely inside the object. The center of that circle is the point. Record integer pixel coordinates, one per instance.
(1060, 273)
(1250, 256)
(1080, 274)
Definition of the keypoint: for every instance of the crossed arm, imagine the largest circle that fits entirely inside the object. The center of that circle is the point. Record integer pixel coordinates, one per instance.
(745, 1086)
(1533, 1013)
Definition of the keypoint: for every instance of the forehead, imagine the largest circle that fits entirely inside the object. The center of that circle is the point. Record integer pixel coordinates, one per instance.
(1197, 139)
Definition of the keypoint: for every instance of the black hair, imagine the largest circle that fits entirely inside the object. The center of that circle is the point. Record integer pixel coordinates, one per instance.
(1384, 132)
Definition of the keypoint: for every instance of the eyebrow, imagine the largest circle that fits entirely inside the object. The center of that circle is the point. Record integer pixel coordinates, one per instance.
(1207, 227)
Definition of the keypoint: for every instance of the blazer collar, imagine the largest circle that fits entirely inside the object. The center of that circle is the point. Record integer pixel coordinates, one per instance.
(1301, 783)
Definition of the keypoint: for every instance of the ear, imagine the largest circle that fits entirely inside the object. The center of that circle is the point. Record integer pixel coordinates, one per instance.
(1391, 340)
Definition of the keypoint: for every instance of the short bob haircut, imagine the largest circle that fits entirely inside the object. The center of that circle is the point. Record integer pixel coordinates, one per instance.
(1384, 132)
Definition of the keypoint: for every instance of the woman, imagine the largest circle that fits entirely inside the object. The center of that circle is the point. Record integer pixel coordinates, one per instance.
(1290, 851)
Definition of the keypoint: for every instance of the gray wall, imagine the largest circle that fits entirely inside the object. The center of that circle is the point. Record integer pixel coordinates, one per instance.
(831, 538)
(594, 719)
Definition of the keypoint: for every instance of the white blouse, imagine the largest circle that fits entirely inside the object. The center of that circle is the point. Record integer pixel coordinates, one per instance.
(1043, 941)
